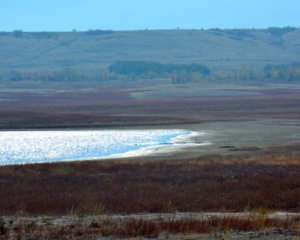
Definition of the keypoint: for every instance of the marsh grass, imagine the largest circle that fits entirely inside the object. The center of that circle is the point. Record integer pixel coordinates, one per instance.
(263, 211)
(134, 228)
(147, 228)
(211, 183)
(63, 170)
(229, 188)
(89, 208)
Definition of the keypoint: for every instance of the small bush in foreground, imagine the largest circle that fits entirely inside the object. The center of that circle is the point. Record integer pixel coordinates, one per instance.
(3, 229)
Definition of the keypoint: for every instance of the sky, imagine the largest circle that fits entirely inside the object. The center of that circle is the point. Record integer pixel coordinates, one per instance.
(82, 15)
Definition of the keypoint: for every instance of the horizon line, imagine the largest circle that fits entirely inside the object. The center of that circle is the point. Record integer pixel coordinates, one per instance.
(148, 29)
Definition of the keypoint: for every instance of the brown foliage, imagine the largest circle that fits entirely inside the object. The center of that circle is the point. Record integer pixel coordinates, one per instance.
(116, 107)
(150, 186)
(139, 228)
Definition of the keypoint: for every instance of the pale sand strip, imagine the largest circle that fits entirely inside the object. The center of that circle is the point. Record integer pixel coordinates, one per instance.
(69, 219)
(178, 143)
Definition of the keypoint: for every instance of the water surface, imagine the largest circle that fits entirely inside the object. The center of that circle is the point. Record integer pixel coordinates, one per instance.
(19, 147)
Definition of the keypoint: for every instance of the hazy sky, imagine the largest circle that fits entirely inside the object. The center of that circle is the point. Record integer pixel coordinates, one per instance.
(65, 15)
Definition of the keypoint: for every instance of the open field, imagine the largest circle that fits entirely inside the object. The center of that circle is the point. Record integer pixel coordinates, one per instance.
(146, 106)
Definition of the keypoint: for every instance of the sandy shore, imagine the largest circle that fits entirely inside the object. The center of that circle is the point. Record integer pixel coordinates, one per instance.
(177, 144)
(216, 138)
(223, 138)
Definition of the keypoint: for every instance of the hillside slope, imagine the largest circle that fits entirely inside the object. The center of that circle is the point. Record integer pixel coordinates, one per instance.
(94, 50)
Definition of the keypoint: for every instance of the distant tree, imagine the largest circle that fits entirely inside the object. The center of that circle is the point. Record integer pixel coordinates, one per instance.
(181, 77)
(16, 76)
(42, 35)
(18, 33)
(98, 32)
(279, 32)
(67, 75)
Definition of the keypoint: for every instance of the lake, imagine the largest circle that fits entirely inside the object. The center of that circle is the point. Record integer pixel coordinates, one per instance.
(20, 147)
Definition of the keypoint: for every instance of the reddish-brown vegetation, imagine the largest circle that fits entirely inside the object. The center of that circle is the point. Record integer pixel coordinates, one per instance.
(36, 229)
(205, 184)
(115, 107)
(133, 228)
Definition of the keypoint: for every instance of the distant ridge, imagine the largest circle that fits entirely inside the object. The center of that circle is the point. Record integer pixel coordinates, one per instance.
(95, 50)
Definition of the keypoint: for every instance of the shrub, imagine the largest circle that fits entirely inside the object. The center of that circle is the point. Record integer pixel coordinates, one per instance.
(3, 228)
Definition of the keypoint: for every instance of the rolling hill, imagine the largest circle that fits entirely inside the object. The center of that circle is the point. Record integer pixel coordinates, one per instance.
(96, 50)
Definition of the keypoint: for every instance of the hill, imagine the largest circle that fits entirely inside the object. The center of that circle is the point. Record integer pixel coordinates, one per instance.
(95, 50)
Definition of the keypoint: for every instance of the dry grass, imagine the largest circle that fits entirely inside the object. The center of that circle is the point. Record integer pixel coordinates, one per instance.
(204, 184)
(140, 228)
(116, 107)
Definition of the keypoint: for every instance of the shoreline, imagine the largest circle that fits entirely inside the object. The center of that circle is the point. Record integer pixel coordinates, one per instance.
(184, 139)
(178, 143)
(222, 138)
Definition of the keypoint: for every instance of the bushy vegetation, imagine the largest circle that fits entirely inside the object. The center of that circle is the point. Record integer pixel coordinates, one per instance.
(213, 183)
(279, 32)
(176, 73)
(93, 189)
(143, 69)
(98, 32)
(283, 73)
(3, 228)
(61, 76)
(18, 33)
(68, 75)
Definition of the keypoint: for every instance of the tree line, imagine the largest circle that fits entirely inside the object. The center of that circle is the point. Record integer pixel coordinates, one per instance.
(177, 73)
(287, 72)
(269, 73)
(64, 75)
(144, 67)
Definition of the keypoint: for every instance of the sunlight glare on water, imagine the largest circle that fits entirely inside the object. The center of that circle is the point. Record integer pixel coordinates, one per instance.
(17, 147)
